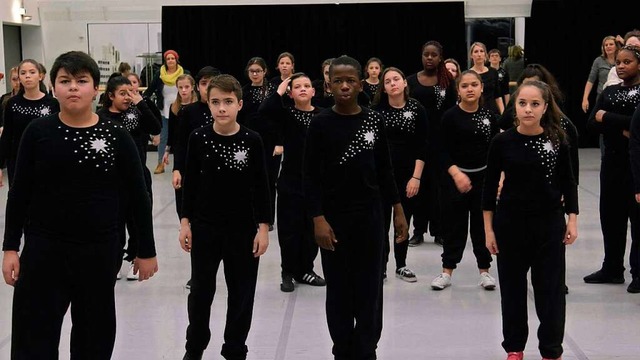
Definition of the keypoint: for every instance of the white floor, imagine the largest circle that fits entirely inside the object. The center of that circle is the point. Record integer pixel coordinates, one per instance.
(460, 322)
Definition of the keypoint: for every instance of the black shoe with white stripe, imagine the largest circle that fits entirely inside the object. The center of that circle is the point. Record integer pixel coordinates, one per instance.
(311, 278)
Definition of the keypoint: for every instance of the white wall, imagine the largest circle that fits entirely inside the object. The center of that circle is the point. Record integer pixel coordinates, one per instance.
(9, 15)
(64, 22)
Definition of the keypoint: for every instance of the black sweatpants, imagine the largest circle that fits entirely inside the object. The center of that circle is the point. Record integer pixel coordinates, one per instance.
(231, 243)
(464, 216)
(532, 241)
(53, 276)
(353, 272)
(178, 193)
(617, 208)
(402, 177)
(428, 212)
(298, 249)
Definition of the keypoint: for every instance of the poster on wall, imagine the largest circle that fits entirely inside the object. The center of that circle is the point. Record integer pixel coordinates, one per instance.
(138, 44)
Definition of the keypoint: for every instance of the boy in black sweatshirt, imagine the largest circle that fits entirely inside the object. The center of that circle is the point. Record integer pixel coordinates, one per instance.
(225, 217)
(348, 179)
(71, 222)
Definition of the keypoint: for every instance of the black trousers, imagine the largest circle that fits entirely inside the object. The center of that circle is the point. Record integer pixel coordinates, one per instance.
(298, 249)
(402, 176)
(354, 283)
(53, 276)
(232, 244)
(178, 193)
(532, 241)
(428, 212)
(464, 216)
(617, 208)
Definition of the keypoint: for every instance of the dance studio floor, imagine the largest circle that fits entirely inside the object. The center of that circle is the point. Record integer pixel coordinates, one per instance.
(461, 322)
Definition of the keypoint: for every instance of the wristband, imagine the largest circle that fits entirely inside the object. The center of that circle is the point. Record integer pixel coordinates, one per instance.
(413, 177)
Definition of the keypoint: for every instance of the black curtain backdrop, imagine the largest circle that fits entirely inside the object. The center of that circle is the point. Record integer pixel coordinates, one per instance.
(566, 36)
(228, 36)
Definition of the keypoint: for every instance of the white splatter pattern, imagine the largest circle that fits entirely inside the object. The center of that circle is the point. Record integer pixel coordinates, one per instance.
(364, 139)
(403, 119)
(234, 156)
(547, 153)
(482, 123)
(94, 145)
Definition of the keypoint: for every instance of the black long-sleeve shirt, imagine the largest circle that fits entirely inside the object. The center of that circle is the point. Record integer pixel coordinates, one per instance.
(292, 127)
(192, 116)
(491, 89)
(140, 121)
(619, 102)
(18, 113)
(634, 149)
(226, 178)
(347, 166)
(71, 185)
(466, 137)
(407, 132)
(252, 97)
(538, 174)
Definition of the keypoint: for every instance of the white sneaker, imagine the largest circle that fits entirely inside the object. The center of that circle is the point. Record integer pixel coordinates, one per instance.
(130, 274)
(442, 281)
(119, 276)
(487, 281)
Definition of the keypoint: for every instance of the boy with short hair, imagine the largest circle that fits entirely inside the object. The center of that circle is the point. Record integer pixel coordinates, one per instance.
(225, 217)
(74, 171)
(348, 179)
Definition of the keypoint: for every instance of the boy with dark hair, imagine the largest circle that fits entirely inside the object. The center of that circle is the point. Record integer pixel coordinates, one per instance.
(348, 179)
(72, 223)
(225, 164)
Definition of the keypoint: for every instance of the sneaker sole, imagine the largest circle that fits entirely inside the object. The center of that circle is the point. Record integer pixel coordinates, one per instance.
(489, 287)
(287, 290)
(411, 280)
(437, 288)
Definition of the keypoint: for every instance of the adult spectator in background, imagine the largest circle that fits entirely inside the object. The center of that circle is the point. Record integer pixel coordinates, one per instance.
(600, 69)
(514, 65)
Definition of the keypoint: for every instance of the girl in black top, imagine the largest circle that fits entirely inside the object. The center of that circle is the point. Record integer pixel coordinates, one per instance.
(503, 78)
(323, 96)
(467, 130)
(435, 89)
(285, 66)
(526, 227)
(491, 95)
(186, 95)
(508, 118)
(406, 124)
(127, 108)
(611, 116)
(298, 250)
(72, 223)
(30, 103)
(15, 87)
(225, 217)
(371, 82)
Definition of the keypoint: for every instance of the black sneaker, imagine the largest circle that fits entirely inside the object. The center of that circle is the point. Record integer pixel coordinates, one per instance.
(287, 283)
(188, 284)
(270, 227)
(416, 240)
(601, 277)
(311, 278)
(192, 356)
(634, 286)
(438, 240)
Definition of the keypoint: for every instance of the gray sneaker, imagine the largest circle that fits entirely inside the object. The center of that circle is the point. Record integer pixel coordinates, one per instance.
(405, 274)
(441, 281)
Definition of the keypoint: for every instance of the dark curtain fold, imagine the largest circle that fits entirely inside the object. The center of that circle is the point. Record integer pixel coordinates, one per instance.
(566, 35)
(228, 36)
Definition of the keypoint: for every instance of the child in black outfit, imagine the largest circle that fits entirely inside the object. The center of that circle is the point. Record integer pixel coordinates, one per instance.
(72, 223)
(348, 178)
(526, 227)
(225, 165)
(297, 248)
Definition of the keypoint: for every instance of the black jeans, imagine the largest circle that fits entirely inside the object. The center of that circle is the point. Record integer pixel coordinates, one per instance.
(617, 208)
(532, 241)
(53, 276)
(233, 244)
(354, 283)
(298, 248)
(402, 176)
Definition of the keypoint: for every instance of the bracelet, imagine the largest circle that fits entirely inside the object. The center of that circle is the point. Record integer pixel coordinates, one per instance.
(413, 177)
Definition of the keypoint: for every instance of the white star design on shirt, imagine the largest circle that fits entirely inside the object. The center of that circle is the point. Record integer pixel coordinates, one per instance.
(407, 114)
(45, 111)
(632, 93)
(240, 156)
(443, 93)
(131, 116)
(369, 137)
(548, 147)
(486, 121)
(99, 145)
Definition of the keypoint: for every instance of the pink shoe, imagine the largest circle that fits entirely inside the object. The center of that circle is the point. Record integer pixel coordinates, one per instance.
(515, 355)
